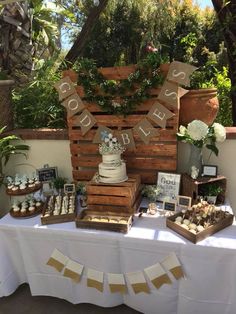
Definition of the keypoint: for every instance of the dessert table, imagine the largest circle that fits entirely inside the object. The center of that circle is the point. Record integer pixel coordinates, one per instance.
(209, 286)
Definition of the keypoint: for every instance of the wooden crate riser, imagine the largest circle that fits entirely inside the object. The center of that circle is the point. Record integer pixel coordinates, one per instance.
(117, 209)
(159, 155)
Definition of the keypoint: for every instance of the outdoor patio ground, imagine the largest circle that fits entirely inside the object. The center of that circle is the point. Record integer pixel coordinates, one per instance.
(21, 302)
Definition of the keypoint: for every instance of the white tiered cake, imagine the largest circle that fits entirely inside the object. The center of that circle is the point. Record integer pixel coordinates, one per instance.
(112, 169)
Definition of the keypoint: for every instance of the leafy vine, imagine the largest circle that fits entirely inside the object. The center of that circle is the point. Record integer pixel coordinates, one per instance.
(147, 75)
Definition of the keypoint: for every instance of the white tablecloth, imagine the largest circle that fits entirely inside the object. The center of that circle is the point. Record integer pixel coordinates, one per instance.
(210, 286)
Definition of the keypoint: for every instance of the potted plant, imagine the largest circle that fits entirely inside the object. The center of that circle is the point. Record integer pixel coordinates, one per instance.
(58, 184)
(151, 192)
(201, 102)
(6, 85)
(210, 192)
(81, 190)
(9, 148)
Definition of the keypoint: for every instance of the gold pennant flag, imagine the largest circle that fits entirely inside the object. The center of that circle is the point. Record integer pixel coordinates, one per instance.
(86, 121)
(73, 104)
(73, 270)
(116, 283)
(65, 88)
(125, 137)
(57, 260)
(145, 130)
(157, 275)
(159, 114)
(138, 282)
(101, 133)
(95, 279)
(180, 72)
(172, 264)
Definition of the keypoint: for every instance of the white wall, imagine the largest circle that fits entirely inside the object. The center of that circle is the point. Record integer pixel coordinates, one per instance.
(51, 152)
(57, 153)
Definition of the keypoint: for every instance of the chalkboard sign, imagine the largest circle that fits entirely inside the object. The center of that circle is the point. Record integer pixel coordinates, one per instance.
(169, 206)
(47, 174)
(184, 201)
(69, 188)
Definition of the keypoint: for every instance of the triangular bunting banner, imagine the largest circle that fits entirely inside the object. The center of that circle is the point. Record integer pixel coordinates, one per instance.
(57, 260)
(73, 270)
(95, 279)
(157, 275)
(145, 130)
(159, 114)
(172, 264)
(101, 133)
(73, 104)
(138, 282)
(180, 72)
(65, 88)
(86, 121)
(125, 137)
(116, 283)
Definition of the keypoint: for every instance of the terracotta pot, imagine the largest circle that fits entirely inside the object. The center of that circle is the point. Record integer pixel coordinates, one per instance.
(6, 116)
(199, 104)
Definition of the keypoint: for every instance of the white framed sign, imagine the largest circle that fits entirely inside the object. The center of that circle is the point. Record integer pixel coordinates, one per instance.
(209, 171)
(169, 184)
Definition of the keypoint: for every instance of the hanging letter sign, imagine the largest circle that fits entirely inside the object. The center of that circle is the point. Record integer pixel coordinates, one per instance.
(86, 121)
(145, 130)
(73, 104)
(125, 137)
(65, 88)
(159, 114)
(180, 72)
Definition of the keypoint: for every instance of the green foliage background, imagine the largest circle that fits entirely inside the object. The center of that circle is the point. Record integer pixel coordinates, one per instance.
(179, 30)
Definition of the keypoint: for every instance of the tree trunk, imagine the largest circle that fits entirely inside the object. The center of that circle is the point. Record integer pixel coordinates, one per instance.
(78, 46)
(15, 41)
(227, 16)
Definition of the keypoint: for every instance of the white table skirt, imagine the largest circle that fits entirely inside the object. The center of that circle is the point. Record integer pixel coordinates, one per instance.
(210, 286)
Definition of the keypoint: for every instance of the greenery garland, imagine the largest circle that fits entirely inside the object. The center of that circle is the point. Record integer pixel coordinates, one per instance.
(147, 75)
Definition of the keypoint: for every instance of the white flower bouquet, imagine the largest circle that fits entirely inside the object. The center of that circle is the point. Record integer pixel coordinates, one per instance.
(200, 134)
(110, 145)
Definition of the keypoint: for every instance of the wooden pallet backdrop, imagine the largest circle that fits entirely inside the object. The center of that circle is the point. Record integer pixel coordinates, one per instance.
(159, 155)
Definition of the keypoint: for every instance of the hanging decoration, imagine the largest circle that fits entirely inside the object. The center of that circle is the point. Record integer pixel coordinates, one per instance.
(157, 274)
(114, 97)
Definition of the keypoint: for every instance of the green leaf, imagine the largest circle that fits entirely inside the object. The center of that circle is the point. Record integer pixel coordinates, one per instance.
(213, 148)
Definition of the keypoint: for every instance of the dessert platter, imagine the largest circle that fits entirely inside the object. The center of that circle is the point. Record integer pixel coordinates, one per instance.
(23, 185)
(26, 208)
(199, 221)
(58, 209)
(110, 221)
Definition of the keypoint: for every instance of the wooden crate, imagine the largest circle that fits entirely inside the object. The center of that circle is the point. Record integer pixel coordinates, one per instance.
(122, 197)
(159, 155)
(108, 221)
(55, 219)
(170, 222)
(191, 187)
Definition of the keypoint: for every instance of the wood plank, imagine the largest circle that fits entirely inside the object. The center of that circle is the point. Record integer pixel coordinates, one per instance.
(110, 190)
(131, 162)
(155, 149)
(145, 106)
(147, 177)
(119, 121)
(166, 135)
(109, 200)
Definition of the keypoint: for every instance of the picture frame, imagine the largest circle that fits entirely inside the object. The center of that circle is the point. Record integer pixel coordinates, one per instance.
(184, 201)
(209, 171)
(47, 174)
(169, 205)
(69, 188)
(170, 186)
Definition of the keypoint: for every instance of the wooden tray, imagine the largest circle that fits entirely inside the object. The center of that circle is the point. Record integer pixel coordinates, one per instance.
(118, 226)
(170, 222)
(27, 214)
(25, 191)
(55, 219)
